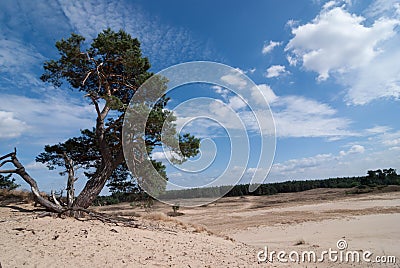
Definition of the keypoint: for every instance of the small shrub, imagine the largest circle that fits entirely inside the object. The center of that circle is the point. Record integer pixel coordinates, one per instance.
(300, 242)
(175, 208)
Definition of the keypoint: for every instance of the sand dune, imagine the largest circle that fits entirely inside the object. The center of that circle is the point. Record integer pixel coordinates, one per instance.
(314, 220)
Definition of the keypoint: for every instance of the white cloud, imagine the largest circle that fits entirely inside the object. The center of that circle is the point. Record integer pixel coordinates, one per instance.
(299, 165)
(166, 155)
(269, 47)
(17, 62)
(329, 5)
(36, 166)
(380, 8)
(362, 57)
(208, 117)
(378, 130)
(336, 41)
(379, 79)
(297, 116)
(351, 162)
(275, 71)
(302, 105)
(292, 23)
(294, 116)
(10, 127)
(266, 90)
(49, 119)
(383, 152)
(355, 149)
(220, 90)
(236, 103)
(234, 79)
(292, 60)
(389, 139)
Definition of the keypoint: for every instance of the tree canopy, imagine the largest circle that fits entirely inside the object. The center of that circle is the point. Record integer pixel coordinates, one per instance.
(7, 182)
(108, 72)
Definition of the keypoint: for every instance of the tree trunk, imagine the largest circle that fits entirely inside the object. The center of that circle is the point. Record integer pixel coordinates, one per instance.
(69, 165)
(94, 186)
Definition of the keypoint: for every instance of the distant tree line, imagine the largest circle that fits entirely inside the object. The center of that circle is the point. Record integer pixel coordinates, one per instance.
(380, 177)
(374, 178)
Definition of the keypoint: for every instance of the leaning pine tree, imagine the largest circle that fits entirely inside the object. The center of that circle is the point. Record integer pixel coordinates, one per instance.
(108, 72)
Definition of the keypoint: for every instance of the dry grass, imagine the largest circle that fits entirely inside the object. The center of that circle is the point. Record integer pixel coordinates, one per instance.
(12, 196)
(157, 216)
(196, 228)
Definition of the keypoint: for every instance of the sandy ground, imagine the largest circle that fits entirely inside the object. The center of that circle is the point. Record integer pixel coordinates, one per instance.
(29, 241)
(309, 221)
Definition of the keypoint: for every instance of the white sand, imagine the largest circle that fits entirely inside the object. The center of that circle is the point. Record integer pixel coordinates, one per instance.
(318, 217)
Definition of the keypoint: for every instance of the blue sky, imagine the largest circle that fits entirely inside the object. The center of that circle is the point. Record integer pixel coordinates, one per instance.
(328, 68)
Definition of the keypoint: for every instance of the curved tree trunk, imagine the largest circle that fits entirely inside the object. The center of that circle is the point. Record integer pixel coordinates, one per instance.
(94, 186)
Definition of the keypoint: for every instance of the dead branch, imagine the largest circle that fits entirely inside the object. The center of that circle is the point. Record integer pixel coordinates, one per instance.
(5, 162)
(9, 171)
(20, 170)
(53, 195)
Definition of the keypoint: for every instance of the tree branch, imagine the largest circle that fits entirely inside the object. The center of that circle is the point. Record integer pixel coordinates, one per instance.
(5, 162)
(53, 195)
(9, 171)
(20, 170)
(96, 105)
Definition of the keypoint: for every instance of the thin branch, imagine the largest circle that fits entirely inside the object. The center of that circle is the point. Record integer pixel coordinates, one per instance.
(5, 162)
(7, 155)
(87, 76)
(53, 195)
(95, 103)
(9, 171)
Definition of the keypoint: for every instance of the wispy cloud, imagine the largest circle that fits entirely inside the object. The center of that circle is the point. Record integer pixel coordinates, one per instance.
(164, 44)
(294, 116)
(380, 8)
(373, 151)
(267, 48)
(297, 116)
(235, 80)
(18, 63)
(10, 127)
(46, 120)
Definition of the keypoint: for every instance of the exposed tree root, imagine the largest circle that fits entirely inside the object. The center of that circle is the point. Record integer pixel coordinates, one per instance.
(83, 214)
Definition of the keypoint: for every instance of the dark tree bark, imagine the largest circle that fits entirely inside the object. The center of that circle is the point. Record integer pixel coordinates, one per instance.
(94, 186)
